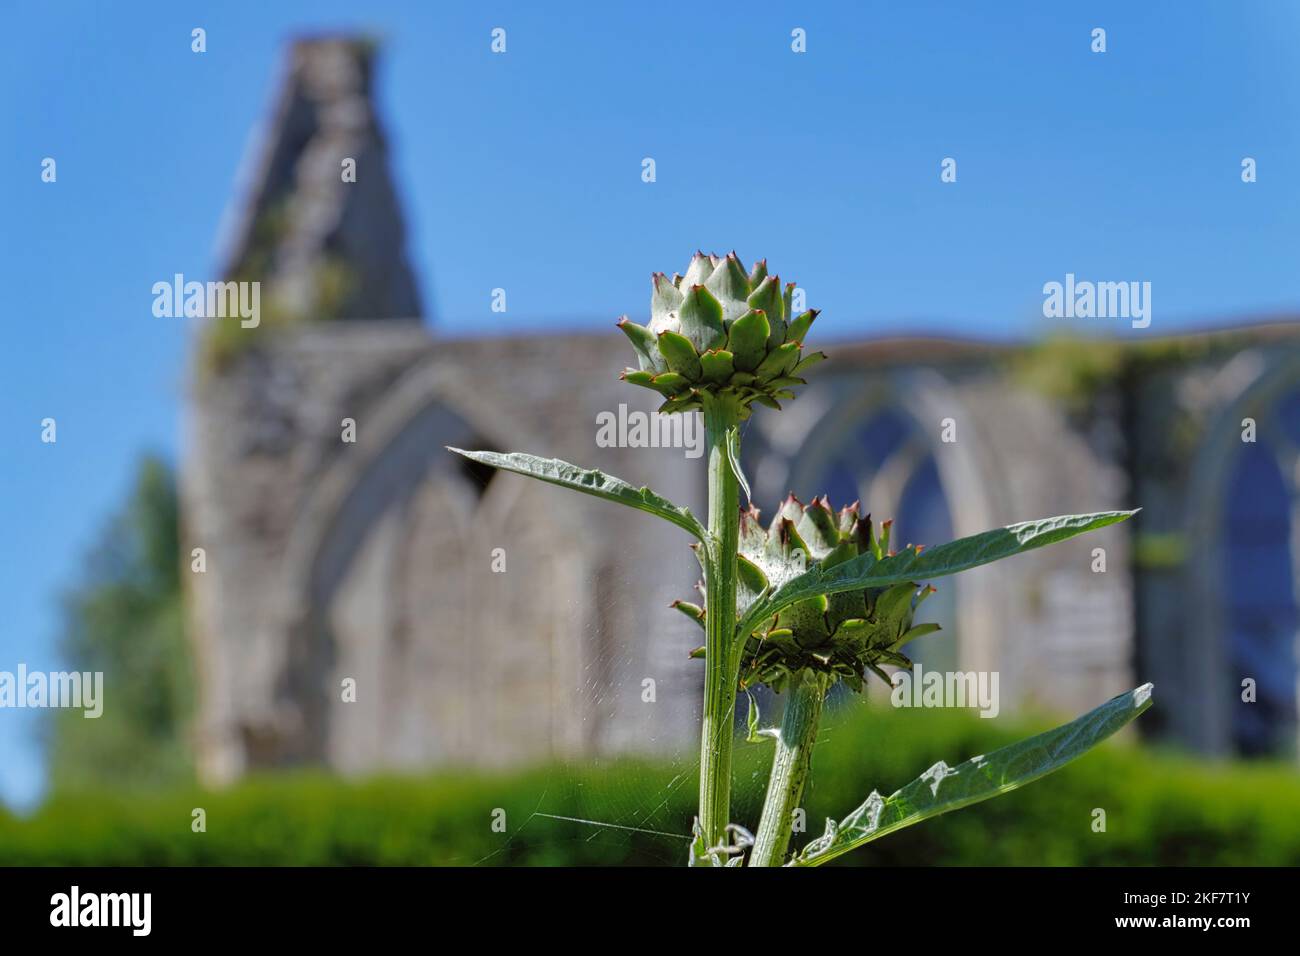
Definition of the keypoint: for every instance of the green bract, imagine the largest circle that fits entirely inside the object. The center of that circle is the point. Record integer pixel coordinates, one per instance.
(840, 636)
(720, 329)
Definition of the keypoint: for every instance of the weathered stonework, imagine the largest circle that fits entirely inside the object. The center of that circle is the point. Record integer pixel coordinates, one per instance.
(373, 560)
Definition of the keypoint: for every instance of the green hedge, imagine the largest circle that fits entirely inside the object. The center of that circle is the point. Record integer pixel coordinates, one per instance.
(1160, 809)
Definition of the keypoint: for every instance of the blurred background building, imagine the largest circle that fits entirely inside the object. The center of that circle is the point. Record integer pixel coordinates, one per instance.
(372, 559)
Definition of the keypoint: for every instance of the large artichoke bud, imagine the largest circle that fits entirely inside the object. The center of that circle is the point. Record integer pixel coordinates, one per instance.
(719, 329)
(839, 635)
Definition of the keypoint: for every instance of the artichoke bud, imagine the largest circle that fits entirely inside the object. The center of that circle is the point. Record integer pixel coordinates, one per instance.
(832, 637)
(716, 329)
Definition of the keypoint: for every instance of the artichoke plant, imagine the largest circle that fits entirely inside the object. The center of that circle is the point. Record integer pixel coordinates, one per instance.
(815, 598)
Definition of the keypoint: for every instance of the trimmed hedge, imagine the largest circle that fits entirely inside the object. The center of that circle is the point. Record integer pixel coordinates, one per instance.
(1160, 808)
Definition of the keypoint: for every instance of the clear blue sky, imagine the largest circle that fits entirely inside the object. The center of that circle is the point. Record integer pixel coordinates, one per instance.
(523, 171)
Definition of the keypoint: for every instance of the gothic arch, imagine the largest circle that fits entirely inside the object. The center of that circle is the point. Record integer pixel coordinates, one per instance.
(1253, 384)
(366, 487)
(836, 414)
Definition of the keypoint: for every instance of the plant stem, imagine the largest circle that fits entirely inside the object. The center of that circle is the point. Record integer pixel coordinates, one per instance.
(790, 766)
(720, 661)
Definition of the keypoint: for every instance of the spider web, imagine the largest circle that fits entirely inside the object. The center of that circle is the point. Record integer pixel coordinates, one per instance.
(648, 770)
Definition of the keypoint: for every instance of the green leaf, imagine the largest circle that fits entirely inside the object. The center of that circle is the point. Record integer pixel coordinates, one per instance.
(943, 788)
(868, 571)
(589, 481)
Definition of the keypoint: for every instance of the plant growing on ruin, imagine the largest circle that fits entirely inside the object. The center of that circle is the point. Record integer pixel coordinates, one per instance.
(816, 598)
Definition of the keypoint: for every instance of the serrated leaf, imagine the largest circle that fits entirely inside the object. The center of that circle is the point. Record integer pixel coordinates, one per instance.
(589, 481)
(943, 788)
(868, 571)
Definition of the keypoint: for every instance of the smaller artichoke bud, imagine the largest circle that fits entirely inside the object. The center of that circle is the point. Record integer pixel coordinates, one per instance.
(841, 635)
(720, 329)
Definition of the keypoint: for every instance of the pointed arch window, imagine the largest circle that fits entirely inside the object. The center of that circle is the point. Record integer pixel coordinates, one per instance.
(888, 464)
(1259, 550)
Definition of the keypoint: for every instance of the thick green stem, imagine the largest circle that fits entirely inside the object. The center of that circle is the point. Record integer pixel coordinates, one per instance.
(790, 766)
(720, 660)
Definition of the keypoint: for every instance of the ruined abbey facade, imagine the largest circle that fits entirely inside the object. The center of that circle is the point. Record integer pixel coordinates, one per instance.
(372, 603)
